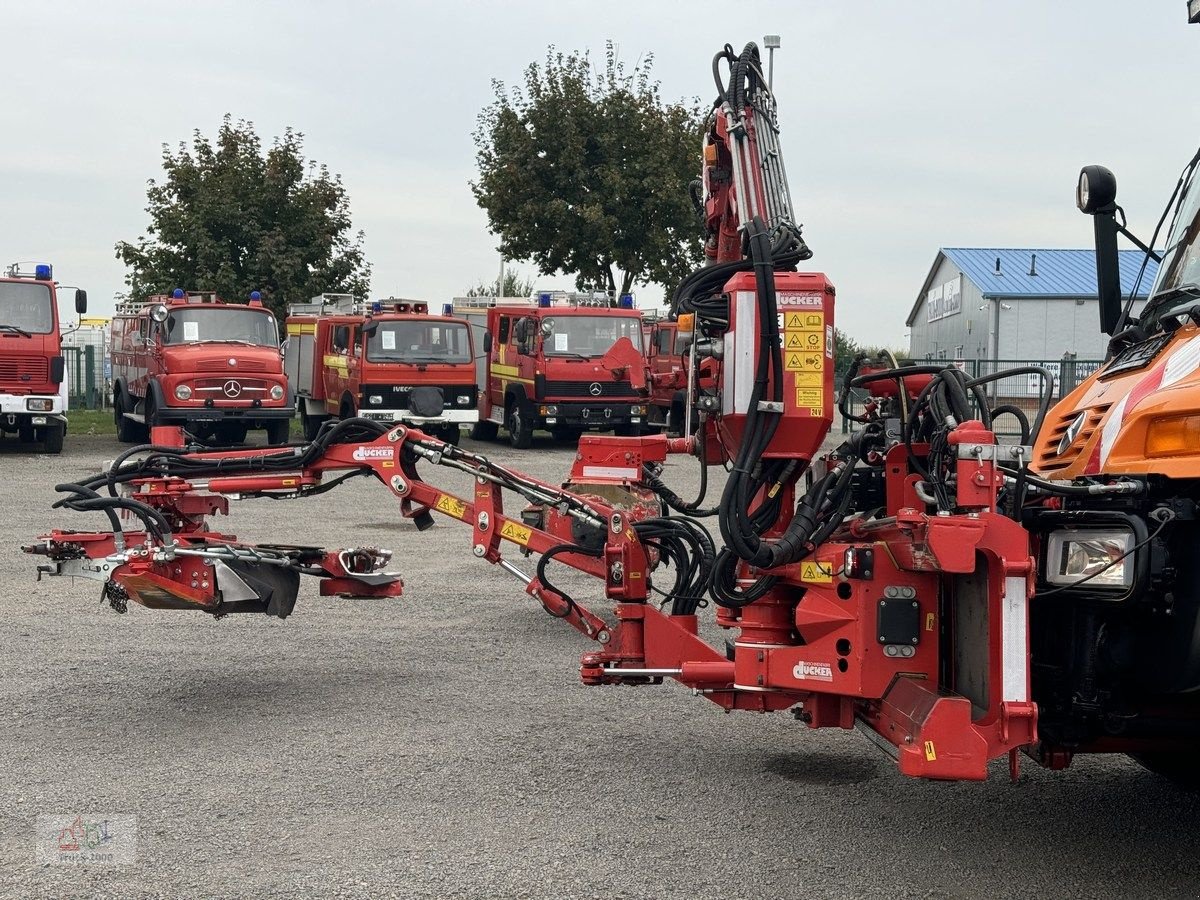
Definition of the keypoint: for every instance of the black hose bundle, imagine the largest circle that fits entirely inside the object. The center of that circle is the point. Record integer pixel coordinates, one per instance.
(686, 547)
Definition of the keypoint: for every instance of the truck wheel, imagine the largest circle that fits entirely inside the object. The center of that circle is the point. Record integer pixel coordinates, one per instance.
(128, 431)
(311, 424)
(278, 431)
(52, 437)
(520, 430)
(484, 430)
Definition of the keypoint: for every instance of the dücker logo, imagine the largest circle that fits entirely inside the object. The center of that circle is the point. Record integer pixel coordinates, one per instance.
(813, 671)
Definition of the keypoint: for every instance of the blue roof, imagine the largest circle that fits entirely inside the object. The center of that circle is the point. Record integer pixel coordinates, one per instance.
(1060, 273)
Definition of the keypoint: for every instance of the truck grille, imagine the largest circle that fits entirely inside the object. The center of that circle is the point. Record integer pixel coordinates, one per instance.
(1049, 460)
(24, 369)
(222, 365)
(584, 389)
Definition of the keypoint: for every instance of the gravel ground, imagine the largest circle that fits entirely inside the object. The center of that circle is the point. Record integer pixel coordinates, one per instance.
(441, 745)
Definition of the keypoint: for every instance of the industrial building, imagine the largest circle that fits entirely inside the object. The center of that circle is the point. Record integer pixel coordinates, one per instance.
(984, 305)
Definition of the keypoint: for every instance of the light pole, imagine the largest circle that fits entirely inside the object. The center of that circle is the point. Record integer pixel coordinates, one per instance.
(771, 42)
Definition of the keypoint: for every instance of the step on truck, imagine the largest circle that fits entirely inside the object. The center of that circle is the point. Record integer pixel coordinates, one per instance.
(388, 360)
(567, 363)
(33, 377)
(191, 359)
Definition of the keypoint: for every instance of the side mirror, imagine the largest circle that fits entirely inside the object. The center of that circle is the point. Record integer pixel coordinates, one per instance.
(80, 301)
(370, 328)
(487, 342)
(1096, 195)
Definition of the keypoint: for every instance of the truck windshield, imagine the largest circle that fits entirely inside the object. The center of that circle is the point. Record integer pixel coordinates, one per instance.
(589, 335)
(1179, 272)
(221, 323)
(26, 307)
(419, 340)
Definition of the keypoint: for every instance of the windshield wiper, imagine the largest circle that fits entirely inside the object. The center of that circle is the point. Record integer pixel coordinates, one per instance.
(564, 353)
(15, 330)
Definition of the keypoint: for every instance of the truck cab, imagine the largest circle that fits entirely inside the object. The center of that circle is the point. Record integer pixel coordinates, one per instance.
(568, 363)
(33, 379)
(389, 360)
(191, 359)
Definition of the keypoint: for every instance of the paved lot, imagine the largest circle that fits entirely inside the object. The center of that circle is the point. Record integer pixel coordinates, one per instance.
(441, 745)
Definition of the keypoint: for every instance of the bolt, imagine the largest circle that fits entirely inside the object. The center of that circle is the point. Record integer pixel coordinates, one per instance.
(483, 522)
(603, 636)
(204, 584)
(399, 485)
(916, 605)
(478, 550)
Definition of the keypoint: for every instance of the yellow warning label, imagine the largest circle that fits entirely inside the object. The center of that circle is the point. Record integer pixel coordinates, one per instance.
(813, 362)
(810, 397)
(809, 380)
(816, 572)
(795, 341)
(930, 752)
(518, 534)
(930, 621)
(812, 340)
(451, 506)
(794, 362)
(814, 320)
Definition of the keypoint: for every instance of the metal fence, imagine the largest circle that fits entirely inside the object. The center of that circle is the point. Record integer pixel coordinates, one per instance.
(1022, 391)
(87, 384)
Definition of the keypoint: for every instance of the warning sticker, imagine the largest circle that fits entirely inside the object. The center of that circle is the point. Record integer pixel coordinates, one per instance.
(814, 398)
(812, 340)
(816, 572)
(930, 621)
(930, 752)
(793, 320)
(795, 341)
(451, 506)
(518, 534)
(794, 362)
(814, 320)
(813, 362)
(809, 379)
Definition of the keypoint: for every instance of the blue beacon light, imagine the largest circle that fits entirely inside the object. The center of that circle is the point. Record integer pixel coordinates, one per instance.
(626, 301)
(177, 294)
(43, 272)
(543, 300)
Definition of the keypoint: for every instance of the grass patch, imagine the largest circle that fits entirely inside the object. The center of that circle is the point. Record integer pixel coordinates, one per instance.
(90, 421)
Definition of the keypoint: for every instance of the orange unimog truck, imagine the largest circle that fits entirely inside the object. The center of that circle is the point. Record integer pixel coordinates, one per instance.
(192, 359)
(1119, 572)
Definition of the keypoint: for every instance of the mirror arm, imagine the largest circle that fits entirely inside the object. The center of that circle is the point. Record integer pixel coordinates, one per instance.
(1137, 242)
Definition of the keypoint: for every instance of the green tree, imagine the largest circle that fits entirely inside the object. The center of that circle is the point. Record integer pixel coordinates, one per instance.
(515, 285)
(229, 218)
(586, 171)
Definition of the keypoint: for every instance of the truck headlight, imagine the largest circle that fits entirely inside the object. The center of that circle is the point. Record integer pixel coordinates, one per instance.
(39, 404)
(183, 392)
(276, 392)
(1097, 554)
(463, 400)
(548, 410)
(375, 400)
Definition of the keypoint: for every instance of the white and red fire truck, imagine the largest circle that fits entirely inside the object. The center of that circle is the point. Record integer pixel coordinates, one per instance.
(192, 359)
(565, 362)
(33, 378)
(388, 360)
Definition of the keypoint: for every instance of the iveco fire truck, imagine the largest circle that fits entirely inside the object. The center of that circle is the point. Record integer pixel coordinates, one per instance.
(192, 359)
(566, 362)
(33, 378)
(388, 360)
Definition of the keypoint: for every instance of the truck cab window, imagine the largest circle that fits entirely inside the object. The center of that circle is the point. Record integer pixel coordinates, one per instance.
(341, 338)
(502, 337)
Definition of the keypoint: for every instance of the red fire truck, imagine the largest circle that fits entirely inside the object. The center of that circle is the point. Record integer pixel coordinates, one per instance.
(192, 359)
(390, 360)
(33, 381)
(566, 362)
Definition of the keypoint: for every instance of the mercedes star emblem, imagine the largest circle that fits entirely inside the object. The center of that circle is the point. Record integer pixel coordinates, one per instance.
(232, 389)
(594, 389)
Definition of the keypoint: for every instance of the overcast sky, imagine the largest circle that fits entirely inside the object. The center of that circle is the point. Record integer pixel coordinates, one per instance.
(906, 125)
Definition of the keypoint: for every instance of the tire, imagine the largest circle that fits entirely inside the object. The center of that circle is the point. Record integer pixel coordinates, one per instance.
(52, 437)
(128, 431)
(484, 430)
(520, 429)
(1182, 769)
(451, 434)
(278, 431)
(311, 424)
